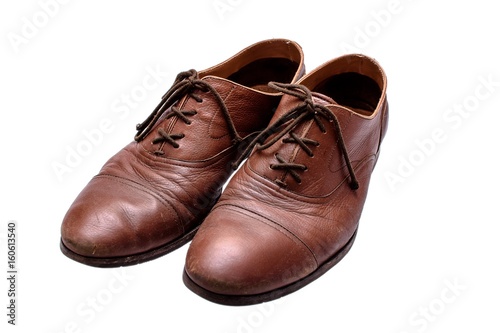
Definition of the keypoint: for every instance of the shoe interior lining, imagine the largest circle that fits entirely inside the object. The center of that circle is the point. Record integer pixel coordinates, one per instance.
(272, 60)
(259, 73)
(358, 92)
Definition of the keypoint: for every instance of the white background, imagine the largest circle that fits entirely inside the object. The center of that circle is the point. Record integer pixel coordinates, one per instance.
(435, 226)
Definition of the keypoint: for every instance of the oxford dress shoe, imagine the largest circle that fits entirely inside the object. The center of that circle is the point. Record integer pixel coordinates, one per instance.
(291, 212)
(151, 197)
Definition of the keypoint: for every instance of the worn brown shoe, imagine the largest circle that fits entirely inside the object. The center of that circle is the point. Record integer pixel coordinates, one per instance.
(291, 212)
(150, 198)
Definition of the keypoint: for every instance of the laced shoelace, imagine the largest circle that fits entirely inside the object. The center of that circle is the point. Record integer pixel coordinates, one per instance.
(303, 112)
(186, 83)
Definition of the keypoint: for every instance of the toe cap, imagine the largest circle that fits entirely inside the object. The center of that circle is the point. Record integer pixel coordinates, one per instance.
(111, 218)
(237, 252)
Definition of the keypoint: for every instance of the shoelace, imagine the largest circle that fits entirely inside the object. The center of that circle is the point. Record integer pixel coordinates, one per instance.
(186, 83)
(303, 112)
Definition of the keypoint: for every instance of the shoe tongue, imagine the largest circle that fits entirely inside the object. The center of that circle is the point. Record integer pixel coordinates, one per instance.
(322, 99)
(288, 102)
(222, 86)
(289, 151)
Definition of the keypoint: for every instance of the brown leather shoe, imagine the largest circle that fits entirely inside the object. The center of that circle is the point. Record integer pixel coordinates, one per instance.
(291, 212)
(150, 198)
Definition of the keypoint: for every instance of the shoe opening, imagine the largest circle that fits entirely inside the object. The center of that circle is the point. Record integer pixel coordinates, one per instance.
(259, 73)
(356, 91)
(277, 60)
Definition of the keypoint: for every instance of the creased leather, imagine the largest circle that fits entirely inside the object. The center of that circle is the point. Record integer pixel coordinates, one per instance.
(262, 236)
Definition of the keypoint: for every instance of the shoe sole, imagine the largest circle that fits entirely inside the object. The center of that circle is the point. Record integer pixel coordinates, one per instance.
(273, 294)
(132, 259)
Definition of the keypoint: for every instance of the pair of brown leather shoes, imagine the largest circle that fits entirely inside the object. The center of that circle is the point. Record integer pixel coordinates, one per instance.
(289, 213)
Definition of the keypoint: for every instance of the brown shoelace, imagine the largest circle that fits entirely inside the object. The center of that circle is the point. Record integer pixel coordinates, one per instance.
(186, 83)
(303, 112)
